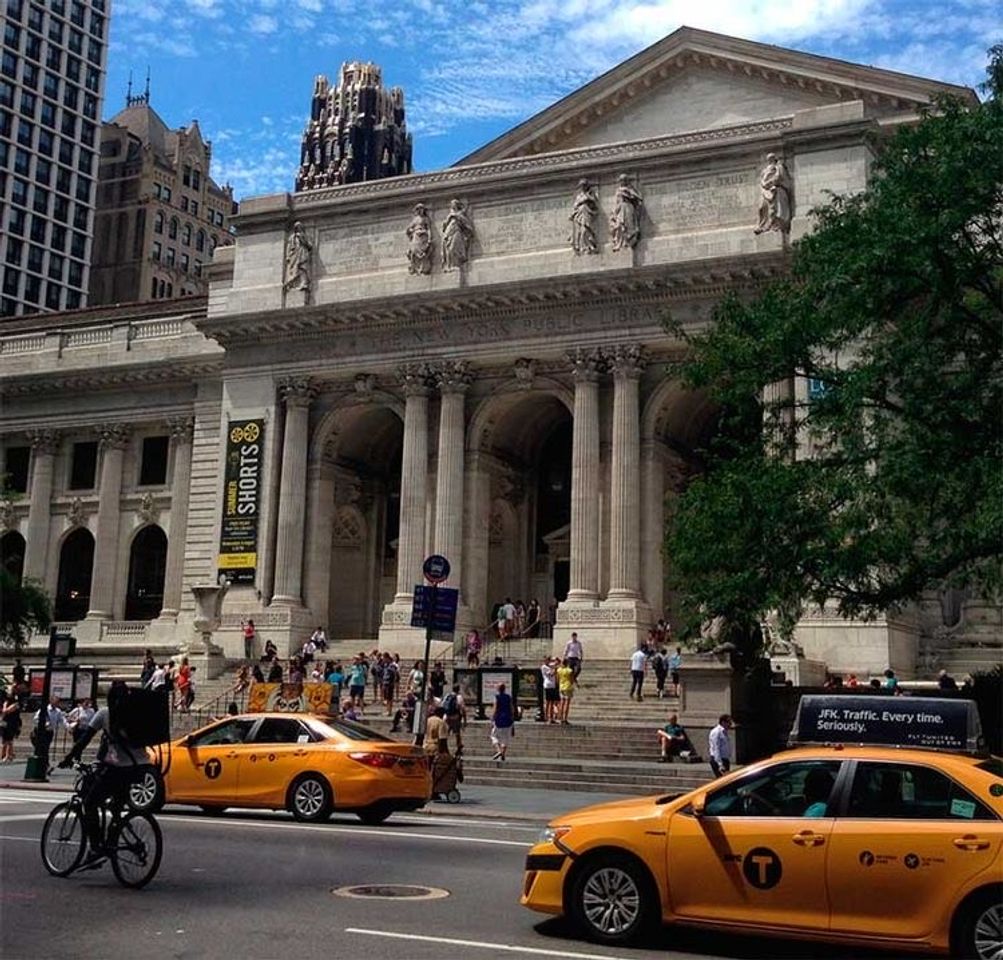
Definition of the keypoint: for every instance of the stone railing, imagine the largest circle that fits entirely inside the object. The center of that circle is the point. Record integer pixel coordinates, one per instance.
(101, 334)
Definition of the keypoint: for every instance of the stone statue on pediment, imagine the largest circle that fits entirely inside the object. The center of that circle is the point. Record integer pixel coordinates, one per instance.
(457, 233)
(775, 187)
(625, 221)
(419, 241)
(584, 211)
(298, 265)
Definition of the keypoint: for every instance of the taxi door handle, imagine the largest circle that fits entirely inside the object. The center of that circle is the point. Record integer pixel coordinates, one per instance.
(232, 756)
(299, 753)
(971, 843)
(808, 839)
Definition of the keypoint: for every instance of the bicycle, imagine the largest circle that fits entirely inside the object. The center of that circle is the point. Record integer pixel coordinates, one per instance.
(133, 840)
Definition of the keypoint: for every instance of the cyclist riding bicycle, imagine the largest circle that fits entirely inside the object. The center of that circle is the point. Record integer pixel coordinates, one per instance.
(119, 764)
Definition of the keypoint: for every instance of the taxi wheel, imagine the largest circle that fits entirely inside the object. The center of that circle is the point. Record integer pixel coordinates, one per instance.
(146, 795)
(611, 899)
(980, 927)
(310, 799)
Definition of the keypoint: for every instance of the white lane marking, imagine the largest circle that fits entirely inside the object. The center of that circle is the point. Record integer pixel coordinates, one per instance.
(23, 816)
(4, 839)
(480, 945)
(350, 831)
(50, 797)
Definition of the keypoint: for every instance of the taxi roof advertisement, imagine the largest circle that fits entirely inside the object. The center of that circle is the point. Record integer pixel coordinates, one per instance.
(928, 722)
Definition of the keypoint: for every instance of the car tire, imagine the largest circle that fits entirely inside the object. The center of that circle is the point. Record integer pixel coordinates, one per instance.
(611, 899)
(376, 814)
(146, 795)
(979, 929)
(310, 799)
(211, 810)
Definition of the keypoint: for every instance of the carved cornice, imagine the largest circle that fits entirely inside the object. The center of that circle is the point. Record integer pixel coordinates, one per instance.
(627, 362)
(297, 391)
(571, 159)
(44, 441)
(181, 429)
(586, 364)
(82, 381)
(114, 436)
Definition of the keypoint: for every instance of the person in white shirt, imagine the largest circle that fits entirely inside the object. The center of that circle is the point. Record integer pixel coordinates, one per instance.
(506, 619)
(79, 719)
(551, 696)
(319, 639)
(638, 664)
(158, 678)
(719, 744)
(574, 654)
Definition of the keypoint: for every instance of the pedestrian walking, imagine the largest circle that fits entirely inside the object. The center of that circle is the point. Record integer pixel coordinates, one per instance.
(660, 664)
(10, 726)
(719, 746)
(79, 718)
(437, 680)
(502, 723)
(675, 665)
(388, 683)
(638, 664)
(454, 709)
(506, 619)
(183, 684)
(357, 682)
(574, 654)
(473, 641)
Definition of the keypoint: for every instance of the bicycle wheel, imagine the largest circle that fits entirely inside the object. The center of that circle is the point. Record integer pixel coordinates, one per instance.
(63, 839)
(136, 845)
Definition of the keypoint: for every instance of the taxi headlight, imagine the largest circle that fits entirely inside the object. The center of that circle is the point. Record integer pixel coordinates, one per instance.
(552, 834)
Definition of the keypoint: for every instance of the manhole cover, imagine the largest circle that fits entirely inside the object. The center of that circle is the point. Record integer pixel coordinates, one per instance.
(391, 891)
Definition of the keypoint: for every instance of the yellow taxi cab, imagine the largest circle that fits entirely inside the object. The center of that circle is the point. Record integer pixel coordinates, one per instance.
(283, 761)
(877, 845)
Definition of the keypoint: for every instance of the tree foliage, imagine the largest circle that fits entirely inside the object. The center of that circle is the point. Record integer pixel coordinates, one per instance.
(886, 478)
(24, 608)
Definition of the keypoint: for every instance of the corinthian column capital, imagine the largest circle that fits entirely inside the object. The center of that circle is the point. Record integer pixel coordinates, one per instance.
(452, 376)
(114, 436)
(181, 429)
(44, 441)
(627, 362)
(297, 391)
(414, 379)
(586, 364)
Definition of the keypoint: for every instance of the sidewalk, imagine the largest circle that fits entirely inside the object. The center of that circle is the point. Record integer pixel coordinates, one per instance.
(485, 802)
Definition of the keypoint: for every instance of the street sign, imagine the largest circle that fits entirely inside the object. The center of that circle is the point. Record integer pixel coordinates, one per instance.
(434, 608)
(435, 568)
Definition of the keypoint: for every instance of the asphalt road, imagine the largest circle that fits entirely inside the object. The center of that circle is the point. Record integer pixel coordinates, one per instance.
(259, 886)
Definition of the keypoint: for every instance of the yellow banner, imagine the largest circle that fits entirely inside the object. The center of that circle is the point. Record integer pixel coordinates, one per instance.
(232, 561)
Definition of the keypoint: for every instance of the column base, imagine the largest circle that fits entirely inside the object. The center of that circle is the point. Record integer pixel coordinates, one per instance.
(608, 629)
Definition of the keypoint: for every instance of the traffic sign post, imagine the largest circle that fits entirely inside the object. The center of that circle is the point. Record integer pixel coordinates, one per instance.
(433, 608)
(62, 646)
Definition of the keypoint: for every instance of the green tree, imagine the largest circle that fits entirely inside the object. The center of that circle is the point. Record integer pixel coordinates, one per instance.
(24, 608)
(886, 480)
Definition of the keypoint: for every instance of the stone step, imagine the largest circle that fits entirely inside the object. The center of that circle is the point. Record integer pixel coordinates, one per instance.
(502, 778)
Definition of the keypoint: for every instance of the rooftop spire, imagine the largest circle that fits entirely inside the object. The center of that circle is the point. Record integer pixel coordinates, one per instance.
(140, 99)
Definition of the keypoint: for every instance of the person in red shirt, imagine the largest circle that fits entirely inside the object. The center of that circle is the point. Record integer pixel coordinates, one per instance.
(249, 637)
(183, 687)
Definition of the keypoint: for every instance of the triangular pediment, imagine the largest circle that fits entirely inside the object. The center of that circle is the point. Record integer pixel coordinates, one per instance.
(695, 80)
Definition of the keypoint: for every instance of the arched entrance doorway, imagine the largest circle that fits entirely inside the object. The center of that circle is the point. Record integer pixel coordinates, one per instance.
(358, 512)
(147, 567)
(526, 457)
(12, 554)
(76, 562)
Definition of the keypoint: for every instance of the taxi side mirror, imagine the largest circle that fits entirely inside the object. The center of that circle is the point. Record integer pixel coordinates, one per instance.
(697, 807)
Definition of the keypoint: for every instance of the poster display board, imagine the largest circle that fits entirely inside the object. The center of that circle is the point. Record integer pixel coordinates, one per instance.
(243, 476)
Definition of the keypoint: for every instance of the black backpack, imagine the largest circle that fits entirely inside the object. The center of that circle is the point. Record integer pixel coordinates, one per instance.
(450, 705)
(143, 717)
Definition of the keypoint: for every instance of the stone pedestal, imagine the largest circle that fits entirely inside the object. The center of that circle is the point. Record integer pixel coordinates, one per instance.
(801, 671)
(864, 648)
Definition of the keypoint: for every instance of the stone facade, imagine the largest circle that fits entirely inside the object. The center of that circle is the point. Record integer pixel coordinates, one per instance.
(513, 410)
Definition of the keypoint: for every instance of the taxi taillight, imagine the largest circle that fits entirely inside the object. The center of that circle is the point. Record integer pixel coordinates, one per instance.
(382, 761)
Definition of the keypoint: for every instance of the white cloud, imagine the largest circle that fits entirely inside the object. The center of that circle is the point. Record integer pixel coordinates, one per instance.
(263, 24)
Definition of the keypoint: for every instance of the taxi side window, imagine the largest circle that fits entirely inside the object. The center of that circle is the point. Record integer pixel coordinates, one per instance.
(279, 730)
(800, 789)
(234, 731)
(899, 791)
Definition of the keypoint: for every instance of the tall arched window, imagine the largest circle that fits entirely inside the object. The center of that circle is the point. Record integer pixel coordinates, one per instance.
(158, 222)
(172, 228)
(200, 241)
(147, 566)
(12, 554)
(76, 562)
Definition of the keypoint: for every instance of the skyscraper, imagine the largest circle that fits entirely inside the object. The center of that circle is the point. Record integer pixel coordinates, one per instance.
(51, 86)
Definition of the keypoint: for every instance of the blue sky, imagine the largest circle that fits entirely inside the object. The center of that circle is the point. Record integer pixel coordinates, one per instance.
(471, 70)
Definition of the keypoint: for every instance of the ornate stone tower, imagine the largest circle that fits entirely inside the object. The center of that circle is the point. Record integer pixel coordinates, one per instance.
(356, 130)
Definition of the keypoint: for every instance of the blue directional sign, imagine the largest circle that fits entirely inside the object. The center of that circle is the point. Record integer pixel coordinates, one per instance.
(435, 568)
(435, 608)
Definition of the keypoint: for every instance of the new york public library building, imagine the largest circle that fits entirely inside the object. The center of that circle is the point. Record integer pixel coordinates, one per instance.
(470, 362)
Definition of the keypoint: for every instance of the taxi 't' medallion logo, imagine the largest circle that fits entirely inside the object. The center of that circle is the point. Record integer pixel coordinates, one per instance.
(762, 868)
(213, 768)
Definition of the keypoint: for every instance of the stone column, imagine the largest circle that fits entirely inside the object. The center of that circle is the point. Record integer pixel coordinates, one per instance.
(181, 430)
(453, 381)
(44, 444)
(320, 509)
(414, 481)
(112, 444)
(625, 477)
(652, 526)
(297, 393)
(584, 575)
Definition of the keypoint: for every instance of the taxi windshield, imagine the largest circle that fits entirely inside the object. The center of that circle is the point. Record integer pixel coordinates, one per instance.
(332, 729)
